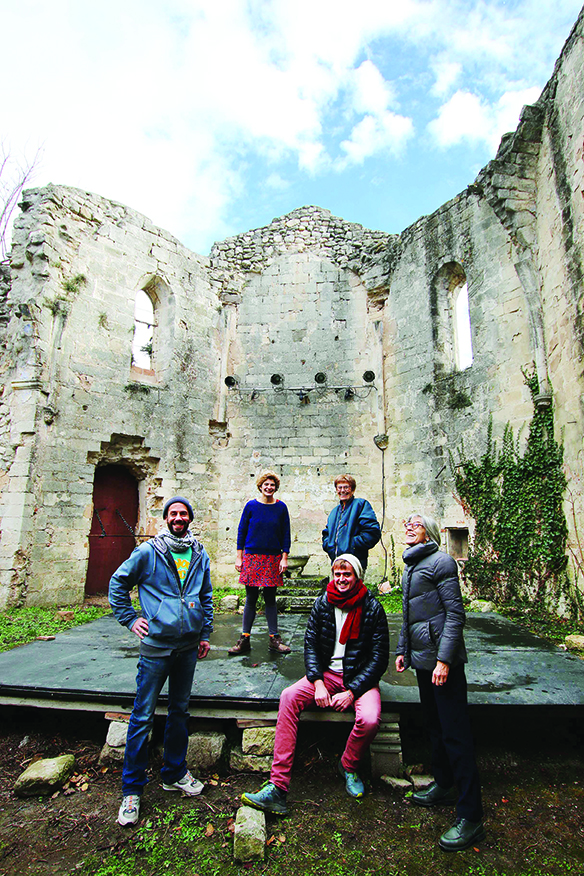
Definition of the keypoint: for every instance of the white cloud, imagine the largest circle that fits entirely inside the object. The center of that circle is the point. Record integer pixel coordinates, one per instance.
(275, 182)
(372, 94)
(447, 73)
(469, 117)
(164, 105)
(385, 131)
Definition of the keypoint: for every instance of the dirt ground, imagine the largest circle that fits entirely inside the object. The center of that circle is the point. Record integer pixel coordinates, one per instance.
(532, 768)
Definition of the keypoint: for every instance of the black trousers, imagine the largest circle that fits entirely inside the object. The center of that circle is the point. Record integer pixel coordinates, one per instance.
(453, 757)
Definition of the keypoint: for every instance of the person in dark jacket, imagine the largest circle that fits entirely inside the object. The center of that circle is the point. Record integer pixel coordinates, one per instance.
(346, 651)
(352, 526)
(171, 572)
(431, 641)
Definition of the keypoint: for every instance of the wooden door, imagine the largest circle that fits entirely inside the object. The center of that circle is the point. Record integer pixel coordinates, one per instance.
(115, 515)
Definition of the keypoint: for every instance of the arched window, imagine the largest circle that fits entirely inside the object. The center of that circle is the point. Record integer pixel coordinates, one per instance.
(462, 331)
(144, 331)
(451, 328)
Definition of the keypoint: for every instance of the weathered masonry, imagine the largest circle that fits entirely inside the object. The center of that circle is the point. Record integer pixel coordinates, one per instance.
(134, 369)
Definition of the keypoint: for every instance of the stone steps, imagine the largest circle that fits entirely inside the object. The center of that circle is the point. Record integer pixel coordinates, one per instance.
(301, 604)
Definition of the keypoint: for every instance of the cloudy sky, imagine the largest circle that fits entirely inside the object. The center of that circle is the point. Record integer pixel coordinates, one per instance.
(215, 116)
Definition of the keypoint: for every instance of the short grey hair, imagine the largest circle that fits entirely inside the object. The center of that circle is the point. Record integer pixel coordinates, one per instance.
(431, 526)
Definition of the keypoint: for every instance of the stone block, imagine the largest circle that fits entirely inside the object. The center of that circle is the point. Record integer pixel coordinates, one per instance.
(43, 776)
(230, 603)
(117, 733)
(483, 605)
(240, 762)
(205, 750)
(420, 783)
(258, 741)
(386, 761)
(249, 840)
(111, 754)
(397, 783)
(574, 642)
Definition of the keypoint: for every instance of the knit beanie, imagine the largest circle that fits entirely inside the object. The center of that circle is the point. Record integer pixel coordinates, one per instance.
(352, 561)
(182, 501)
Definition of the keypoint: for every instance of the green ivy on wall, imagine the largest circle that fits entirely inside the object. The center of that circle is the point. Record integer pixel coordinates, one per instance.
(519, 546)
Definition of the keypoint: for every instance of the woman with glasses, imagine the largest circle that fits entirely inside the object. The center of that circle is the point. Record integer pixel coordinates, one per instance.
(431, 642)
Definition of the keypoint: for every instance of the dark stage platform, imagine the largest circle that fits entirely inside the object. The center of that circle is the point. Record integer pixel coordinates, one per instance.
(93, 667)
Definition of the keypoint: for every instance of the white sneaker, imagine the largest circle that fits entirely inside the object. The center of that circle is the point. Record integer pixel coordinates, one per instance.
(188, 785)
(129, 811)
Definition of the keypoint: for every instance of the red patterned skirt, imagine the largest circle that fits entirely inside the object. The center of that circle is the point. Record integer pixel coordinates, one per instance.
(261, 570)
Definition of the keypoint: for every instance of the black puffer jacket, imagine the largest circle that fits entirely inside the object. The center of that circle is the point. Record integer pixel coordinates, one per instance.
(432, 609)
(366, 657)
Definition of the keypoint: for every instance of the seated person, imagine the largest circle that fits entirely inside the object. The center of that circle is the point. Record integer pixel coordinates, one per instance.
(346, 651)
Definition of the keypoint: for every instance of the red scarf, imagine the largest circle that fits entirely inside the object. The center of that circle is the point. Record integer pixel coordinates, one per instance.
(352, 600)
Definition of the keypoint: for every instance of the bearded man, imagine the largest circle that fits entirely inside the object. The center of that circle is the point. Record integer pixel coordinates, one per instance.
(172, 574)
(346, 651)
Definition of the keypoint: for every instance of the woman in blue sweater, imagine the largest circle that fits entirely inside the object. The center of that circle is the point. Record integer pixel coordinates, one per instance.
(263, 545)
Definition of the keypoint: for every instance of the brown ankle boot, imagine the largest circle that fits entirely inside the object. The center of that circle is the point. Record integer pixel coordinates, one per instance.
(242, 646)
(276, 644)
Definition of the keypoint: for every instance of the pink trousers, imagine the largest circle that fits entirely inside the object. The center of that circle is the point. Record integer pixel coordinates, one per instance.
(297, 697)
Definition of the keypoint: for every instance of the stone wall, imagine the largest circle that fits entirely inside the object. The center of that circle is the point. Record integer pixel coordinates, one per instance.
(74, 400)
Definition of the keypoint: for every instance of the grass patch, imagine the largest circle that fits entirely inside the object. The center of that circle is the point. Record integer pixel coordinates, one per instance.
(21, 625)
(392, 602)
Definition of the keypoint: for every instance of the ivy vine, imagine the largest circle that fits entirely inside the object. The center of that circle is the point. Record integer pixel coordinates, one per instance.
(519, 546)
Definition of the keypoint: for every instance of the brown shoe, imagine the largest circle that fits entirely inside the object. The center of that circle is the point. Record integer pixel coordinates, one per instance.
(276, 644)
(242, 646)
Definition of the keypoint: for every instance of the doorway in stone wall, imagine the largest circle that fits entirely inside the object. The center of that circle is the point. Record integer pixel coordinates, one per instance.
(115, 515)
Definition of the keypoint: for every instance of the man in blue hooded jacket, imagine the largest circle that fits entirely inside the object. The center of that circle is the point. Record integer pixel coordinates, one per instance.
(352, 526)
(172, 574)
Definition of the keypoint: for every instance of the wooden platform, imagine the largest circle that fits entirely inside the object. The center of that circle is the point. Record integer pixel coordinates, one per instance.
(94, 667)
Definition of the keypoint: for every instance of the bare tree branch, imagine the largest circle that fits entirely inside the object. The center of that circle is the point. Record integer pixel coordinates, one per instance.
(14, 177)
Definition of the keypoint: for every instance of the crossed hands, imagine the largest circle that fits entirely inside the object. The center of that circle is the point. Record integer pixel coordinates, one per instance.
(340, 701)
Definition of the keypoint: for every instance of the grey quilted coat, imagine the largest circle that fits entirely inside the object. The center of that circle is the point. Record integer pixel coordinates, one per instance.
(433, 614)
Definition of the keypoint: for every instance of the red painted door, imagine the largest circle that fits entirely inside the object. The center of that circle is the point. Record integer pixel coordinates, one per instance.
(115, 514)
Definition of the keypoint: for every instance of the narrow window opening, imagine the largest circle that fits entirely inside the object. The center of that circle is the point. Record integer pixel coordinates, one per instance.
(457, 542)
(143, 341)
(462, 328)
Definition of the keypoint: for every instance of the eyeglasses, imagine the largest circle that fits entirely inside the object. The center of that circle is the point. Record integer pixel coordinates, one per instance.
(413, 525)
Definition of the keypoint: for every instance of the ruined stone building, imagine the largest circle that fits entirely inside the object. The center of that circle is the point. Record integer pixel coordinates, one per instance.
(134, 369)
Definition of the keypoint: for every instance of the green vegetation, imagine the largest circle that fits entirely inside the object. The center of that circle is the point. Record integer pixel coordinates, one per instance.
(74, 284)
(21, 625)
(392, 602)
(200, 842)
(519, 549)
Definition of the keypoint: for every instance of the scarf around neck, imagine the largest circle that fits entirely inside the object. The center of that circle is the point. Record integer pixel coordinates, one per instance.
(352, 601)
(178, 545)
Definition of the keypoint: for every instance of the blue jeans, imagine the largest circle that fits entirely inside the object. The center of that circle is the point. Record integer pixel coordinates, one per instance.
(179, 668)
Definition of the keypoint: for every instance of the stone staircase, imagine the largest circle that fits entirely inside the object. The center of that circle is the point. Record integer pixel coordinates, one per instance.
(298, 594)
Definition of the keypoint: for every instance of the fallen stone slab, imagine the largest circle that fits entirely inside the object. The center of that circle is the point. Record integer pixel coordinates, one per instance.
(258, 741)
(420, 783)
(249, 839)
(399, 784)
(43, 776)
